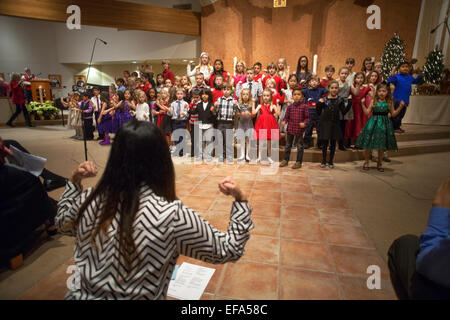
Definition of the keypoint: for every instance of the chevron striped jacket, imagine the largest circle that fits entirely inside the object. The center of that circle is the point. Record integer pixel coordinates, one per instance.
(162, 231)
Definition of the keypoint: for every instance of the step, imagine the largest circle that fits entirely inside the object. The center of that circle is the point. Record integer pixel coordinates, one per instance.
(39, 122)
(405, 148)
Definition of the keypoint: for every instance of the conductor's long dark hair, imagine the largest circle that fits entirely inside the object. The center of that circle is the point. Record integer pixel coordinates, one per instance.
(138, 146)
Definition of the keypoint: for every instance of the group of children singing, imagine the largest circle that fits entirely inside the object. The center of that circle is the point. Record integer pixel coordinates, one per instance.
(356, 108)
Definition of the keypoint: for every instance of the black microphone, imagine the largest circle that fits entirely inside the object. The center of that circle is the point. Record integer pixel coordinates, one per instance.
(102, 41)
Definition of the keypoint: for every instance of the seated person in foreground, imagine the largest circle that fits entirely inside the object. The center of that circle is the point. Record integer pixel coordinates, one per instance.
(420, 268)
(131, 227)
(24, 206)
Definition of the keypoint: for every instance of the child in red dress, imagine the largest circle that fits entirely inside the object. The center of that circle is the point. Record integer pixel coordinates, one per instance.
(266, 127)
(354, 127)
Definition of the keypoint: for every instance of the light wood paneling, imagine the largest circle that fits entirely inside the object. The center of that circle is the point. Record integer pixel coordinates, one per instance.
(113, 14)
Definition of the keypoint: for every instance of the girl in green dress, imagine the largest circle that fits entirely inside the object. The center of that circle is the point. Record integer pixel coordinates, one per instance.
(378, 133)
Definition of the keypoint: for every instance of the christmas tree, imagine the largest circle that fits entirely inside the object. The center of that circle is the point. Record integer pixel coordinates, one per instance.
(434, 67)
(393, 54)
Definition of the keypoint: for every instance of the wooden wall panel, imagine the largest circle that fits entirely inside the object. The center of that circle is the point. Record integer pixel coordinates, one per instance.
(113, 14)
(333, 29)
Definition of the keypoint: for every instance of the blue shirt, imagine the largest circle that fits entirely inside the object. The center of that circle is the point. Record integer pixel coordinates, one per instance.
(433, 260)
(121, 88)
(402, 83)
(314, 94)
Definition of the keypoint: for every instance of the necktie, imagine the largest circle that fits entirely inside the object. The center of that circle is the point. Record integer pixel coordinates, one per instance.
(98, 105)
(250, 84)
(178, 109)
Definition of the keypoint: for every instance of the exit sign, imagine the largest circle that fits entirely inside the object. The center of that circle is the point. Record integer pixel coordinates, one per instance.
(279, 3)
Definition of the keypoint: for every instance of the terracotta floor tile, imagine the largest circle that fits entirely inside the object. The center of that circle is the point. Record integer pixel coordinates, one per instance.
(247, 168)
(262, 249)
(268, 195)
(303, 285)
(317, 171)
(222, 205)
(268, 178)
(327, 191)
(211, 181)
(305, 255)
(296, 188)
(213, 283)
(266, 226)
(266, 209)
(52, 287)
(356, 289)
(220, 221)
(346, 235)
(299, 230)
(303, 199)
(201, 191)
(242, 175)
(267, 185)
(307, 214)
(183, 189)
(322, 202)
(250, 281)
(297, 179)
(354, 261)
(338, 216)
(321, 181)
(201, 204)
(288, 171)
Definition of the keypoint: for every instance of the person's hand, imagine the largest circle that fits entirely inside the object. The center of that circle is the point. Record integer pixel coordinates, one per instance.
(321, 100)
(216, 103)
(229, 187)
(393, 71)
(85, 170)
(234, 102)
(283, 123)
(302, 125)
(442, 197)
(402, 104)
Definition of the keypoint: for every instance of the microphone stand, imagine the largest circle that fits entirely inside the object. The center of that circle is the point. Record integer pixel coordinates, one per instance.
(82, 114)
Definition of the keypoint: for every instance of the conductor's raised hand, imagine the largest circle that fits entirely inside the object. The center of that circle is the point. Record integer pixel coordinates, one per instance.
(85, 170)
(229, 187)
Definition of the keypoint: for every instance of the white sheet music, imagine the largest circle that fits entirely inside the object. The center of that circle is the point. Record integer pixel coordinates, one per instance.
(190, 282)
(25, 161)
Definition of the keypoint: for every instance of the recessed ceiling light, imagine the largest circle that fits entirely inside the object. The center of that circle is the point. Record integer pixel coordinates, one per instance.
(184, 60)
(134, 61)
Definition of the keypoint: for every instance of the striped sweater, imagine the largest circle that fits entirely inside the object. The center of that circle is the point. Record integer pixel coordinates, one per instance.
(162, 231)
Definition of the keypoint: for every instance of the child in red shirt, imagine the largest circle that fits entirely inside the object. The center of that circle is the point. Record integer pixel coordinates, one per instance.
(167, 73)
(257, 66)
(329, 71)
(272, 74)
(217, 91)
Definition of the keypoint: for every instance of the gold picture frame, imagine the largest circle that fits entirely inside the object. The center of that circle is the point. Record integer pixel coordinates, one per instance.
(55, 81)
(78, 77)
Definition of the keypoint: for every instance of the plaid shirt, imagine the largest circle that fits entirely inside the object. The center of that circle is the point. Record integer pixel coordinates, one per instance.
(296, 114)
(225, 110)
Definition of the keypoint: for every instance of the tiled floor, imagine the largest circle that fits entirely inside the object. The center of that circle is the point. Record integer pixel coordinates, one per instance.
(306, 244)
